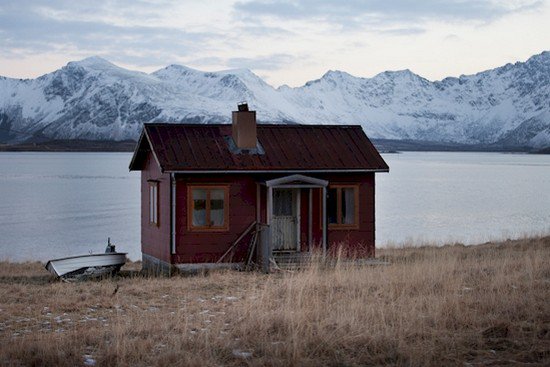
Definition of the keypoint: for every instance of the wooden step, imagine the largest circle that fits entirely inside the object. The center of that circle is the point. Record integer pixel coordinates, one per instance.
(292, 260)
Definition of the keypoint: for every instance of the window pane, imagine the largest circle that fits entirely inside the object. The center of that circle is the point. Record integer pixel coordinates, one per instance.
(217, 197)
(154, 203)
(282, 202)
(151, 204)
(199, 207)
(156, 206)
(348, 205)
(331, 205)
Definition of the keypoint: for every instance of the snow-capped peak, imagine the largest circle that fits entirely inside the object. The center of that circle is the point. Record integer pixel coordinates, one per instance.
(238, 72)
(336, 74)
(95, 99)
(175, 70)
(95, 63)
(245, 75)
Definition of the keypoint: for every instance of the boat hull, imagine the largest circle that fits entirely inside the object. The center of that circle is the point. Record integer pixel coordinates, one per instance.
(87, 266)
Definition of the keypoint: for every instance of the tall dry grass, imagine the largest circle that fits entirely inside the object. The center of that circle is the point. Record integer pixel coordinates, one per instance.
(454, 305)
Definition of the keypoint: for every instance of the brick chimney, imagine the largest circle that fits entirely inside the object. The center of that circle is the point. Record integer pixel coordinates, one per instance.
(244, 127)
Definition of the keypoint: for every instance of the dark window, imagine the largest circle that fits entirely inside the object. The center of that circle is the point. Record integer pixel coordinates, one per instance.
(342, 206)
(332, 205)
(348, 205)
(282, 202)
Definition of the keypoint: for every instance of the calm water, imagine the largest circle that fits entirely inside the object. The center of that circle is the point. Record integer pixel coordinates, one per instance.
(60, 204)
(466, 197)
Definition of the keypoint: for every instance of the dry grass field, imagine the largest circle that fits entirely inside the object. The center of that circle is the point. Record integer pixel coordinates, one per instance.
(486, 305)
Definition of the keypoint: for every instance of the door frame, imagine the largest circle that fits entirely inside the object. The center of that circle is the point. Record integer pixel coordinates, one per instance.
(297, 181)
(296, 201)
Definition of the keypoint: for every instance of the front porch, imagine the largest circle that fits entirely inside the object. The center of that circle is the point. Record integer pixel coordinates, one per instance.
(290, 222)
(293, 218)
(284, 214)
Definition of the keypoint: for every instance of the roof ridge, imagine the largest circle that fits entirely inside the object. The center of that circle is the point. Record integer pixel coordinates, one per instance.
(316, 126)
(269, 125)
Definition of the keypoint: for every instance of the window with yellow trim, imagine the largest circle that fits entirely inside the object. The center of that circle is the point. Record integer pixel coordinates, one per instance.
(208, 207)
(343, 206)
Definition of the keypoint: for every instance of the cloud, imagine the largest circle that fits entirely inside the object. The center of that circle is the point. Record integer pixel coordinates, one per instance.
(384, 11)
(207, 61)
(30, 27)
(403, 31)
(451, 37)
(263, 30)
(131, 32)
(269, 62)
(286, 39)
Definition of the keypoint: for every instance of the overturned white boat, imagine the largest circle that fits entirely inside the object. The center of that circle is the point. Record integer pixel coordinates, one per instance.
(88, 266)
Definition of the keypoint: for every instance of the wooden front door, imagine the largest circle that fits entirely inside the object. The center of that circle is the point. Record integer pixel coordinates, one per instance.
(284, 222)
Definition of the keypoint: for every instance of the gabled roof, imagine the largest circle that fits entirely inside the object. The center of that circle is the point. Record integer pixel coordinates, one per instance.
(208, 147)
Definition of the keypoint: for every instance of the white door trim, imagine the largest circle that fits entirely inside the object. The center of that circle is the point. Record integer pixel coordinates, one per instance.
(296, 215)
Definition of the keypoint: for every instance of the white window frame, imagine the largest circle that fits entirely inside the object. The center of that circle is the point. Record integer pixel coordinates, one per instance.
(154, 203)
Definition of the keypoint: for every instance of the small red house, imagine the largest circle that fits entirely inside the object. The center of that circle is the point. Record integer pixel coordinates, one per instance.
(203, 186)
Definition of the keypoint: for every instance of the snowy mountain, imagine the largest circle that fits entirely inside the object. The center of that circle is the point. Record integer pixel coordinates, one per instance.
(94, 99)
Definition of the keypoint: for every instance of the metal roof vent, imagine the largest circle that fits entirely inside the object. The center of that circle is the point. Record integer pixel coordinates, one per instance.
(242, 106)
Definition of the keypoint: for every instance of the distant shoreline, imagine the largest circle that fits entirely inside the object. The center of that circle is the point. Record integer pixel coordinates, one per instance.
(383, 145)
(72, 146)
(396, 146)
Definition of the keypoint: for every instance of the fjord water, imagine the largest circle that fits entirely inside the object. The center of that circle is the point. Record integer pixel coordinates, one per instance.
(435, 197)
(61, 204)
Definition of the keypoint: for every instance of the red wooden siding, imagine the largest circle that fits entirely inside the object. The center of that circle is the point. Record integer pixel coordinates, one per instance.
(196, 246)
(200, 247)
(155, 240)
(358, 241)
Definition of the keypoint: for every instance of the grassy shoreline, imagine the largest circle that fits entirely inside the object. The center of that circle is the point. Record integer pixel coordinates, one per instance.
(451, 305)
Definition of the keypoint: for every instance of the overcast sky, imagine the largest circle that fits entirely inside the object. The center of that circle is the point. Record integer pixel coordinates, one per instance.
(285, 42)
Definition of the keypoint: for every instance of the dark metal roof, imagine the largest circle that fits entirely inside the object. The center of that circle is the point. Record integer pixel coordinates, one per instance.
(198, 147)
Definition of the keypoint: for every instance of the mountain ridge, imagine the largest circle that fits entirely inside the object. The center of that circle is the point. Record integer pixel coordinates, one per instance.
(95, 99)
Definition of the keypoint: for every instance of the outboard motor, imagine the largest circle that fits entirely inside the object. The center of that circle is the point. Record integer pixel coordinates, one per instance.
(110, 248)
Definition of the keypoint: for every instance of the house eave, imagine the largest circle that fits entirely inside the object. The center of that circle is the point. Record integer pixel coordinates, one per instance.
(137, 152)
(278, 171)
